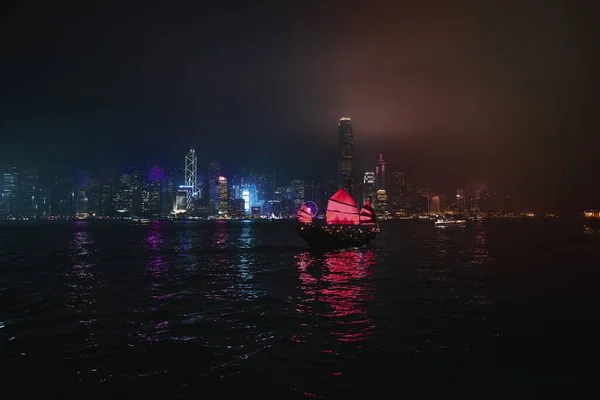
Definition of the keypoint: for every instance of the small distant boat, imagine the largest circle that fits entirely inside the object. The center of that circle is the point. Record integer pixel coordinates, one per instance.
(141, 221)
(450, 222)
(588, 230)
(344, 226)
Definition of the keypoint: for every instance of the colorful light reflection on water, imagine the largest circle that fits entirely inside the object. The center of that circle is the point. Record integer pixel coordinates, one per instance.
(80, 281)
(220, 238)
(158, 271)
(339, 281)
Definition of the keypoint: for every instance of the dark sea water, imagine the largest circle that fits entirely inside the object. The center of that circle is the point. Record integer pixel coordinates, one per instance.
(214, 309)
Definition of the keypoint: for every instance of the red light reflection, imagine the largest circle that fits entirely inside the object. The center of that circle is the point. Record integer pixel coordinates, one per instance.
(220, 238)
(342, 287)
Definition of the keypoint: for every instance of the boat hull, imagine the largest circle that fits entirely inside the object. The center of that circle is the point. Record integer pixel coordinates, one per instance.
(450, 223)
(323, 238)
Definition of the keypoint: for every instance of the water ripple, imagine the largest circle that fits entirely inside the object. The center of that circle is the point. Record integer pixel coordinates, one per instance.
(181, 306)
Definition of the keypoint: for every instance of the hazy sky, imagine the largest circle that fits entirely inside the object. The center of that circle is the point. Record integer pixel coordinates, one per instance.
(455, 92)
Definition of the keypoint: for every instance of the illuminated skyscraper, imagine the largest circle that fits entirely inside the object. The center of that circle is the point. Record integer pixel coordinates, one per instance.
(28, 191)
(238, 209)
(369, 190)
(245, 195)
(381, 203)
(222, 193)
(397, 190)
(380, 173)
(151, 197)
(191, 176)
(81, 202)
(94, 194)
(214, 171)
(298, 197)
(9, 194)
(124, 200)
(346, 154)
(179, 201)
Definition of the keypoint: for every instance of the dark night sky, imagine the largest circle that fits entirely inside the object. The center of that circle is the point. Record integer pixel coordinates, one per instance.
(454, 92)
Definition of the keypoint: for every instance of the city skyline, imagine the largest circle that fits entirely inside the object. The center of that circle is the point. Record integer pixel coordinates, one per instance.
(175, 190)
(80, 178)
(454, 95)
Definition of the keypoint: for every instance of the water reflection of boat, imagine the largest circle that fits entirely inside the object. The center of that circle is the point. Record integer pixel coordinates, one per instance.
(344, 226)
(338, 280)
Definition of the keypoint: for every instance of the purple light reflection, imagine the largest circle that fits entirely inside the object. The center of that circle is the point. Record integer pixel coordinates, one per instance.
(155, 242)
(157, 268)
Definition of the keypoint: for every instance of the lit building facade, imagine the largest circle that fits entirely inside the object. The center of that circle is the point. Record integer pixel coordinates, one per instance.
(397, 189)
(369, 188)
(179, 202)
(381, 206)
(238, 208)
(346, 156)
(151, 197)
(380, 173)
(591, 213)
(94, 195)
(9, 194)
(246, 197)
(298, 194)
(106, 200)
(27, 192)
(191, 176)
(315, 191)
(124, 198)
(81, 203)
(214, 171)
(222, 204)
(466, 201)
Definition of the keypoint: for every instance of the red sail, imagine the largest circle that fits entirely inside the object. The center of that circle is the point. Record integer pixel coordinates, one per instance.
(341, 209)
(304, 215)
(367, 215)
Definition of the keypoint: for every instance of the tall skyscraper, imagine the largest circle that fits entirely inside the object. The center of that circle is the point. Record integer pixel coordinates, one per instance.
(9, 195)
(397, 194)
(214, 168)
(214, 171)
(380, 173)
(94, 194)
(381, 206)
(298, 195)
(346, 154)
(81, 202)
(369, 189)
(124, 198)
(106, 200)
(315, 191)
(151, 197)
(222, 204)
(62, 194)
(28, 191)
(191, 176)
